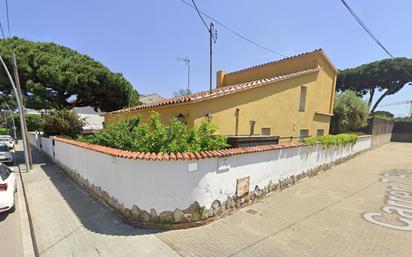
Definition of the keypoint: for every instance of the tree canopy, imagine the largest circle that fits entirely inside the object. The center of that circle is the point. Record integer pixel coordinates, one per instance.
(62, 123)
(54, 76)
(388, 75)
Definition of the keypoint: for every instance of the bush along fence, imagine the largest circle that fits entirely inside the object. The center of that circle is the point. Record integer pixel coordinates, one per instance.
(189, 189)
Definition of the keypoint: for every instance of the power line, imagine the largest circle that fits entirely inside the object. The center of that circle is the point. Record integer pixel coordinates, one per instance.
(366, 28)
(212, 39)
(201, 17)
(379, 43)
(2, 32)
(233, 31)
(7, 16)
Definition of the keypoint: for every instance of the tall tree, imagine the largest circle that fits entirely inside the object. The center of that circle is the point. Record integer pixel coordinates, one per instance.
(54, 76)
(388, 75)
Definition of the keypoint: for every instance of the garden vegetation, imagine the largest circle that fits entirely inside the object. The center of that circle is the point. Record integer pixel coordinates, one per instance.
(329, 141)
(62, 123)
(155, 137)
(350, 113)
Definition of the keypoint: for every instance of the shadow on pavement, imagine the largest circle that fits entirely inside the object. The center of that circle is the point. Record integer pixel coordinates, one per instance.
(3, 216)
(92, 213)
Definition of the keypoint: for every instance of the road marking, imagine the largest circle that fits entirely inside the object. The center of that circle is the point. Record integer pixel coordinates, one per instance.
(398, 202)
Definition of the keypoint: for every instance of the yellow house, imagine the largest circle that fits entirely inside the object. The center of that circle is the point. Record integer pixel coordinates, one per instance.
(291, 97)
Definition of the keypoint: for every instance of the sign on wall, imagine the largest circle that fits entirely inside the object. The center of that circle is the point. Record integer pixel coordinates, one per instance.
(223, 164)
(192, 166)
(242, 186)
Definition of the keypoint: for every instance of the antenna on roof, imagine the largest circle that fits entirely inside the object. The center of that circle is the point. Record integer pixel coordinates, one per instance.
(187, 63)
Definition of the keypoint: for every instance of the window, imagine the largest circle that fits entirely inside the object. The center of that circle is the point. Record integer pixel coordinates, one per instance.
(302, 100)
(304, 133)
(266, 131)
(252, 124)
(181, 118)
(4, 172)
(320, 132)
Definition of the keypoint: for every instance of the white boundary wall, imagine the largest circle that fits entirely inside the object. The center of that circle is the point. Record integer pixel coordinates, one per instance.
(167, 185)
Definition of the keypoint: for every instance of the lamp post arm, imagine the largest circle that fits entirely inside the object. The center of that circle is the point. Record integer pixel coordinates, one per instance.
(23, 133)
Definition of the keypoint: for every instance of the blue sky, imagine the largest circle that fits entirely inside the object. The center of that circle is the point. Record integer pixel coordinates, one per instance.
(142, 39)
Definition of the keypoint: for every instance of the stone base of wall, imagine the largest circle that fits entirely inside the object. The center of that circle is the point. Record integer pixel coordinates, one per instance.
(194, 215)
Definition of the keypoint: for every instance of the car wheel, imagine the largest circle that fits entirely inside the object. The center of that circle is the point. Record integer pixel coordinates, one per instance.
(12, 209)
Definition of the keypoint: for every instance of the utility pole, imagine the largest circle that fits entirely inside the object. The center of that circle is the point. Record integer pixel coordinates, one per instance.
(212, 38)
(23, 117)
(23, 132)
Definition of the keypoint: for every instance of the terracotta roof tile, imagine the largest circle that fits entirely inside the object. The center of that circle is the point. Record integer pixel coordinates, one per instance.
(217, 92)
(203, 154)
(159, 156)
(153, 156)
(141, 155)
(178, 156)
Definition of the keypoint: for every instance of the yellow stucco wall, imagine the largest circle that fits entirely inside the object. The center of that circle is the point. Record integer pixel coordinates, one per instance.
(295, 64)
(274, 106)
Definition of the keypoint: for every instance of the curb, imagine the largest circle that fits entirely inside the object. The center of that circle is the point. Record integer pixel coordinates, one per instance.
(27, 233)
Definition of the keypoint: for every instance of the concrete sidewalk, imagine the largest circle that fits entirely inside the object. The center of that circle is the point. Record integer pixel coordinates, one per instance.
(321, 216)
(69, 222)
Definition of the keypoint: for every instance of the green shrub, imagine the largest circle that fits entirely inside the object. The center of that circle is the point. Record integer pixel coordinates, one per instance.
(332, 140)
(62, 123)
(383, 115)
(120, 135)
(34, 122)
(154, 137)
(350, 113)
(4, 131)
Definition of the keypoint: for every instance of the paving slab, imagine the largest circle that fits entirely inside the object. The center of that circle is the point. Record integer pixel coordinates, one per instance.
(68, 221)
(321, 216)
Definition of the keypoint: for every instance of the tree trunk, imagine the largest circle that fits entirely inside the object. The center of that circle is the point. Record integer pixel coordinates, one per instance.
(379, 100)
(371, 95)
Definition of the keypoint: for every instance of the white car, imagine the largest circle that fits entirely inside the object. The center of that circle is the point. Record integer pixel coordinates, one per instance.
(7, 140)
(5, 154)
(7, 188)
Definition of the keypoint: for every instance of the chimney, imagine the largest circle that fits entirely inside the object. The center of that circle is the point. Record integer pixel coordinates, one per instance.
(220, 75)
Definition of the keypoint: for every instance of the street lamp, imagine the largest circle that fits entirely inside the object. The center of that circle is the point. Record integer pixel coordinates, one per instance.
(21, 115)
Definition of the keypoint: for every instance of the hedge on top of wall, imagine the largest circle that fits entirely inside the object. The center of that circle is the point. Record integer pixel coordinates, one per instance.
(331, 140)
